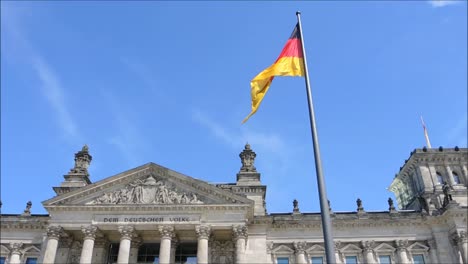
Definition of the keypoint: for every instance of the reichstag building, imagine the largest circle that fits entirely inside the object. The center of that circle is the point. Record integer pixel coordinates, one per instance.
(151, 214)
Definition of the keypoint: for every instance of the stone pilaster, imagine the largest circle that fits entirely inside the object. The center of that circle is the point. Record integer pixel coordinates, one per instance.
(461, 241)
(15, 257)
(433, 251)
(239, 233)
(299, 249)
(368, 250)
(402, 251)
(53, 236)
(203, 234)
(100, 251)
(127, 233)
(167, 233)
(337, 252)
(89, 233)
(174, 243)
(135, 245)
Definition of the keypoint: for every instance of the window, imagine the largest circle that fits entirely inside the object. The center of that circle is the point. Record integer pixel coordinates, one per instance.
(316, 260)
(440, 179)
(2, 260)
(31, 261)
(385, 260)
(282, 260)
(148, 253)
(113, 253)
(186, 253)
(350, 260)
(418, 259)
(456, 178)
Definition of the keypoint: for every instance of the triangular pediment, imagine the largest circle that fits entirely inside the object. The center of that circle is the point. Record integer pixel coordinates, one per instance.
(149, 184)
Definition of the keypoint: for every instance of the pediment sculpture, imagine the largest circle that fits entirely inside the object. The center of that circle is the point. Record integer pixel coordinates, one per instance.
(148, 191)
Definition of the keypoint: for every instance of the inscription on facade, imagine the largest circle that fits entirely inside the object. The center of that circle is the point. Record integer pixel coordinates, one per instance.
(146, 218)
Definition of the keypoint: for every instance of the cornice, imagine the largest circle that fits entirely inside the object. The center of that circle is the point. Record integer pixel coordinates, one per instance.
(151, 207)
(435, 155)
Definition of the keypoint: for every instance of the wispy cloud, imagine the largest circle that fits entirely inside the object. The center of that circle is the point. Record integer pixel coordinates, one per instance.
(442, 3)
(51, 87)
(126, 138)
(272, 146)
(54, 92)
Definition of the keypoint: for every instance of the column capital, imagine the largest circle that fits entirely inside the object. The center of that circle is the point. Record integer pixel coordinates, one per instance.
(55, 232)
(337, 245)
(126, 232)
(90, 232)
(16, 248)
(239, 232)
(203, 231)
(432, 244)
(101, 242)
(459, 237)
(269, 247)
(300, 247)
(367, 245)
(136, 242)
(167, 232)
(401, 244)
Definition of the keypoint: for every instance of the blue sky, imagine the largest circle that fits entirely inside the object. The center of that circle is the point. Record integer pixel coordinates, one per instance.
(168, 82)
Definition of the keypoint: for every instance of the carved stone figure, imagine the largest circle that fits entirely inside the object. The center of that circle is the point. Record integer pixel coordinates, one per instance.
(359, 205)
(295, 206)
(27, 211)
(247, 158)
(447, 196)
(149, 191)
(82, 161)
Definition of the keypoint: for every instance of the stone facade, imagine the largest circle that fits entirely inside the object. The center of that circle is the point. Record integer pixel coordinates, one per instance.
(153, 213)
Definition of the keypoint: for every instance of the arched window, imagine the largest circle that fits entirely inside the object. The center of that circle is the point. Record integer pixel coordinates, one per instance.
(440, 178)
(456, 178)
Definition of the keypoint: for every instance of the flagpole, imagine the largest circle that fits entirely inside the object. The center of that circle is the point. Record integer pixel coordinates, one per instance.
(324, 208)
(426, 135)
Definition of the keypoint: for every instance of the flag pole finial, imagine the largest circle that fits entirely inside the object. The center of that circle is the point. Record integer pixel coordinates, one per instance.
(298, 13)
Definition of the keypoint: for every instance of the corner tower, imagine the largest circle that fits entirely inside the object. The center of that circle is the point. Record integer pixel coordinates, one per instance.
(432, 179)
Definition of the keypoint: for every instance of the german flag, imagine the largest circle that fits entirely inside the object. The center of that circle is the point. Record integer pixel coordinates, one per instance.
(289, 63)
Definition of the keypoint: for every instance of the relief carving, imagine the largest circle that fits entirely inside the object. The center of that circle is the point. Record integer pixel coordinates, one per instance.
(148, 191)
(222, 252)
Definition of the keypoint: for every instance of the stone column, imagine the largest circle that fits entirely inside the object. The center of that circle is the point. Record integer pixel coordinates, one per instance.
(53, 235)
(203, 233)
(461, 241)
(239, 233)
(135, 245)
(299, 248)
(401, 250)
(88, 243)
(167, 232)
(465, 174)
(127, 233)
(451, 182)
(368, 248)
(15, 257)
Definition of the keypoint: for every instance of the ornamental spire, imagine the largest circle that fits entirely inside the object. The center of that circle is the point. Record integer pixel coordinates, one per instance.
(82, 161)
(247, 157)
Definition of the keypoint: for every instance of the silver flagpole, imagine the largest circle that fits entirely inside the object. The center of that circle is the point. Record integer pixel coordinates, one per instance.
(325, 212)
